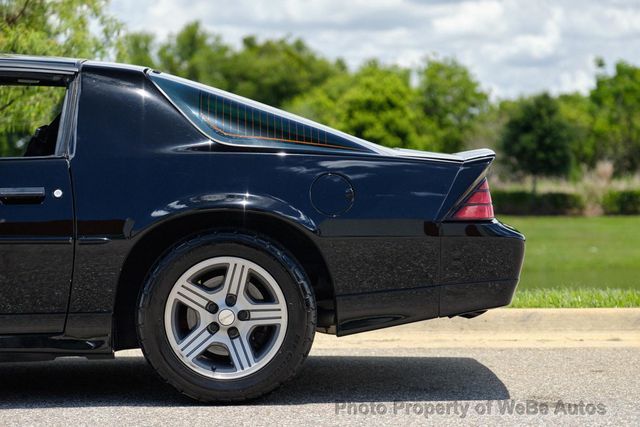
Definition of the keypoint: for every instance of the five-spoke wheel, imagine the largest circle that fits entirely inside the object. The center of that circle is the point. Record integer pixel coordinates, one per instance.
(226, 316)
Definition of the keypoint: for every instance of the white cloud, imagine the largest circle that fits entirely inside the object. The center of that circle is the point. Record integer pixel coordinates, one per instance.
(470, 19)
(513, 47)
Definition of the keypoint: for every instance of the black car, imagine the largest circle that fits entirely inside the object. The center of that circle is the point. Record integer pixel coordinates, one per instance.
(219, 234)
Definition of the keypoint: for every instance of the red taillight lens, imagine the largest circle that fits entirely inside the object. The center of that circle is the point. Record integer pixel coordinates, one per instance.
(475, 212)
(477, 206)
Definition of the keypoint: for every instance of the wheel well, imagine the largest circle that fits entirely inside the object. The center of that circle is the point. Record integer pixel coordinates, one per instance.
(156, 242)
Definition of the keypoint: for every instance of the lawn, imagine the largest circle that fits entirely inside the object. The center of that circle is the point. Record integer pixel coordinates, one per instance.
(579, 261)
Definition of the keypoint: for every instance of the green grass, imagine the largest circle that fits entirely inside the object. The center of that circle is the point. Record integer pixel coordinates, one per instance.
(575, 298)
(579, 261)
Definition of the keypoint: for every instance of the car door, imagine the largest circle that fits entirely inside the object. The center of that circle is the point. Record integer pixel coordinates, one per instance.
(36, 227)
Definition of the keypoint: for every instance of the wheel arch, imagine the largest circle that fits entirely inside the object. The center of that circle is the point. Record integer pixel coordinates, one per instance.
(155, 242)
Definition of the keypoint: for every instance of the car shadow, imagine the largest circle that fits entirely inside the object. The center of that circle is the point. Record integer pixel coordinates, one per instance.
(324, 379)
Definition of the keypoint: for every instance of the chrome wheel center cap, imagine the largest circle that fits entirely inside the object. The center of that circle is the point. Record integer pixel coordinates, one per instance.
(226, 317)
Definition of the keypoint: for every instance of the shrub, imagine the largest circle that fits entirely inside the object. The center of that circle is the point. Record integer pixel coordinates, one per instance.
(621, 202)
(525, 203)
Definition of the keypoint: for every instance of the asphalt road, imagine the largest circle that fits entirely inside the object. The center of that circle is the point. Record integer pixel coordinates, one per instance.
(365, 380)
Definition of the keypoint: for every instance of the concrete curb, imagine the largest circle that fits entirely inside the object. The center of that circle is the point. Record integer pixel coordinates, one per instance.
(500, 328)
(507, 328)
(541, 319)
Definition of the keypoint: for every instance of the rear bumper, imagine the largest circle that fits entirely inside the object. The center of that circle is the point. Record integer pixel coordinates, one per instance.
(480, 266)
(473, 297)
(478, 269)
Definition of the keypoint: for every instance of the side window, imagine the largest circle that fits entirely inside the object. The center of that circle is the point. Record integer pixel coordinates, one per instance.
(233, 120)
(29, 118)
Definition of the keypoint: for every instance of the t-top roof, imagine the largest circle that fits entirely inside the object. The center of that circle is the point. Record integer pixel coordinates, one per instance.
(45, 63)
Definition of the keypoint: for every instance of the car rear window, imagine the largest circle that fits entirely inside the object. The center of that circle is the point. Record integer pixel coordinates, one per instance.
(231, 119)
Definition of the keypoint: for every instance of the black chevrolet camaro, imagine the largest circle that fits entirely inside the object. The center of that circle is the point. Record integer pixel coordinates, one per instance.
(219, 234)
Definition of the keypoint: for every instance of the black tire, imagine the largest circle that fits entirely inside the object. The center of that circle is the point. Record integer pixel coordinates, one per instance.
(293, 283)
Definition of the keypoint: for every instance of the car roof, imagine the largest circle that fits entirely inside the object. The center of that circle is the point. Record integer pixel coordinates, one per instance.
(44, 63)
(56, 64)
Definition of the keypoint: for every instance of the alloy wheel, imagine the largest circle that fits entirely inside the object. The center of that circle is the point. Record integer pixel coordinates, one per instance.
(225, 317)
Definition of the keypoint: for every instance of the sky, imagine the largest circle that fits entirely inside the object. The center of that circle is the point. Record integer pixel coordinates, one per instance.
(512, 47)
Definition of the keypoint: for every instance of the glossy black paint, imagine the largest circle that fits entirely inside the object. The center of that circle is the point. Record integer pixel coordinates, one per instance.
(479, 268)
(137, 177)
(36, 246)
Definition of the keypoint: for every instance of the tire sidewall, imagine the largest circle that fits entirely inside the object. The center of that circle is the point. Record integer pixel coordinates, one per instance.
(288, 275)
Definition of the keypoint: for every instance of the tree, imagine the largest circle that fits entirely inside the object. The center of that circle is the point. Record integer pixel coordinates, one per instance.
(74, 28)
(323, 103)
(273, 71)
(138, 49)
(577, 111)
(536, 140)
(450, 99)
(276, 71)
(617, 116)
(373, 104)
(196, 54)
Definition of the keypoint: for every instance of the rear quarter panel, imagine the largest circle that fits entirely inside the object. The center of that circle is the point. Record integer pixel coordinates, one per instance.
(138, 163)
(134, 167)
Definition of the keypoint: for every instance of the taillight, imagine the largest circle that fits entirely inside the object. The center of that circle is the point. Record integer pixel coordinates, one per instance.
(477, 206)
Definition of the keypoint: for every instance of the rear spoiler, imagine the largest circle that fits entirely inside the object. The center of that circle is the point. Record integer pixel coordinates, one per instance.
(461, 157)
(474, 165)
(479, 154)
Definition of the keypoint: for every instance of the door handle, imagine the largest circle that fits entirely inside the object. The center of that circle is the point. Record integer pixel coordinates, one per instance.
(21, 195)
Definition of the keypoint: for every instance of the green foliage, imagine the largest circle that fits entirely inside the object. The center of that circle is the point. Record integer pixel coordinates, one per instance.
(623, 202)
(376, 103)
(373, 104)
(617, 115)
(379, 104)
(577, 111)
(526, 203)
(136, 48)
(276, 71)
(536, 140)
(486, 129)
(195, 54)
(24, 108)
(73, 28)
(602, 126)
(450, 100)
(273, 71)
